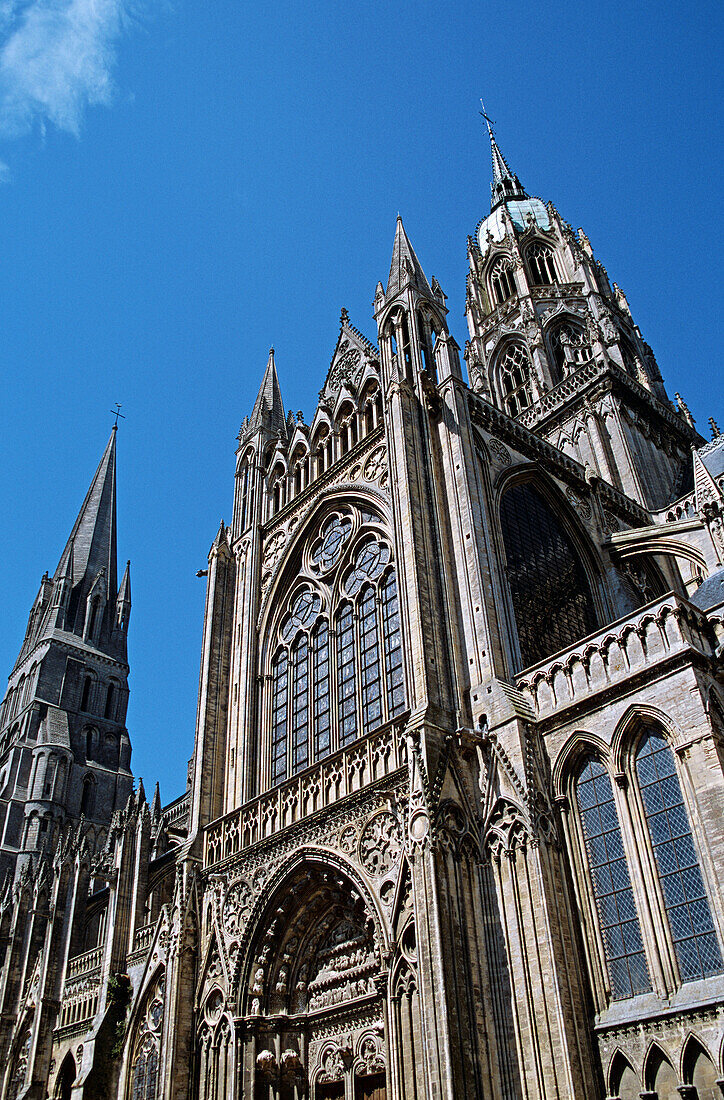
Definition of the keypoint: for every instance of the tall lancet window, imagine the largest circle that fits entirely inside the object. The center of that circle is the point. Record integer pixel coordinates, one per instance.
(687, 907)
(346, 678)
(321, 711)
(502, 281)
(551, 595)
(611, 882)
(337, 672)
(394, 673)
(280, 681)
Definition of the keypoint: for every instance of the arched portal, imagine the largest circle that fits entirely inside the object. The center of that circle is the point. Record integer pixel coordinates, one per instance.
(66, 1077)
(311, 994)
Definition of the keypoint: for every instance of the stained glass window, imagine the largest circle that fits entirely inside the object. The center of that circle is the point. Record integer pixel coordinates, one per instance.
(320, 697)
(687, 907)
(280, 677)
(551, 596)
(369, 661)
(300, 704)
(514, 367)
(394, 675)
(327, 551)
(369, 562)
(623, 947)
(346, 702)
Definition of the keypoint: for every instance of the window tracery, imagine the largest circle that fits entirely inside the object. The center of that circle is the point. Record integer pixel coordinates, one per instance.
(337, 670)
(541, 264)
(502, 280)
(515, 378)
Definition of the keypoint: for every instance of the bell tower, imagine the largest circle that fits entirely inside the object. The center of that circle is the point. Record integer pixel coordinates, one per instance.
(64, 747)
(554, 345)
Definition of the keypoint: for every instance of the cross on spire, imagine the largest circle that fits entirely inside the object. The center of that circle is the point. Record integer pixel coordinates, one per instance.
(117, 412)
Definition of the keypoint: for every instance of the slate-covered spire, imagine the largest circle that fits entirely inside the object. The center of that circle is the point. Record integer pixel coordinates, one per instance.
(506, 184)
(91, 547)
(405, 267)
(268, 411)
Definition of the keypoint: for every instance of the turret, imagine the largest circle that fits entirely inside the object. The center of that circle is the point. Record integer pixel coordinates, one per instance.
(553, 344)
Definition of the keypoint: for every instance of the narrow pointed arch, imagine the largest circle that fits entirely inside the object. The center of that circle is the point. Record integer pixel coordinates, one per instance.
(578, 745)
(659, 1075)
(697, 1062)
(622, 1078)
(629, 728)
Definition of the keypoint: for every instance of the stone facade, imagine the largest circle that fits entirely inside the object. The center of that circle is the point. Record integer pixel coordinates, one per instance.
(453, 820)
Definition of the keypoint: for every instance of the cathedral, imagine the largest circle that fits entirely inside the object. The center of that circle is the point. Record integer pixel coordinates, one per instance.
(453, 822)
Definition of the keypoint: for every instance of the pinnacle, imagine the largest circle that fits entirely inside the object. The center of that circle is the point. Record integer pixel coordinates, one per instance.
(405, 266)
(268, 411)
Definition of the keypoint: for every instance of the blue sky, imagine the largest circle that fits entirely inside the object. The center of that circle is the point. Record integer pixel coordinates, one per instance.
(186, 183)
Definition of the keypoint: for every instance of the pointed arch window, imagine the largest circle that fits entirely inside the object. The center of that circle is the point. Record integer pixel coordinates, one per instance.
(337, 673)
(370, 677)
(570, 347)
(144, 1082)
(85, 698)
(541, 264)
(300, 703)
(552, 599)
(515, 378)
(502, 281)
(685, 900)
(394, 674)
(611, 882)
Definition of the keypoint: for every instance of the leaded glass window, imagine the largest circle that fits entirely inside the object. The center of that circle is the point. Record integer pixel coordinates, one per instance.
(515, 380)
(541, 264)
(394, 674)
(321, 687)
(347, 704)
(144, 1082)
(501, 280)
(337, 673)
(551, 595)
(300, 704)
(687, 907)
(619, 922)
(328, 548)
(280, 680)
(370, 661)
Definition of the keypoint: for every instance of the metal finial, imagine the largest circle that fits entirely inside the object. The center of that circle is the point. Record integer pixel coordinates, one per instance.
(117, 412)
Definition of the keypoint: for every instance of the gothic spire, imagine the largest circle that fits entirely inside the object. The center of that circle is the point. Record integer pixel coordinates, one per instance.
(268, 411)
(123, 600)
(405, 266)
(92, 542)
(506, 184)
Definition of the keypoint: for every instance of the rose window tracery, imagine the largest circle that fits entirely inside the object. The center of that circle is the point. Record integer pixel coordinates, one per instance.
(380, 844)
(327, 550)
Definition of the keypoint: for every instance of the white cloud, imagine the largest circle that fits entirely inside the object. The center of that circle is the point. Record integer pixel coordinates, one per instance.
(57, 58)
